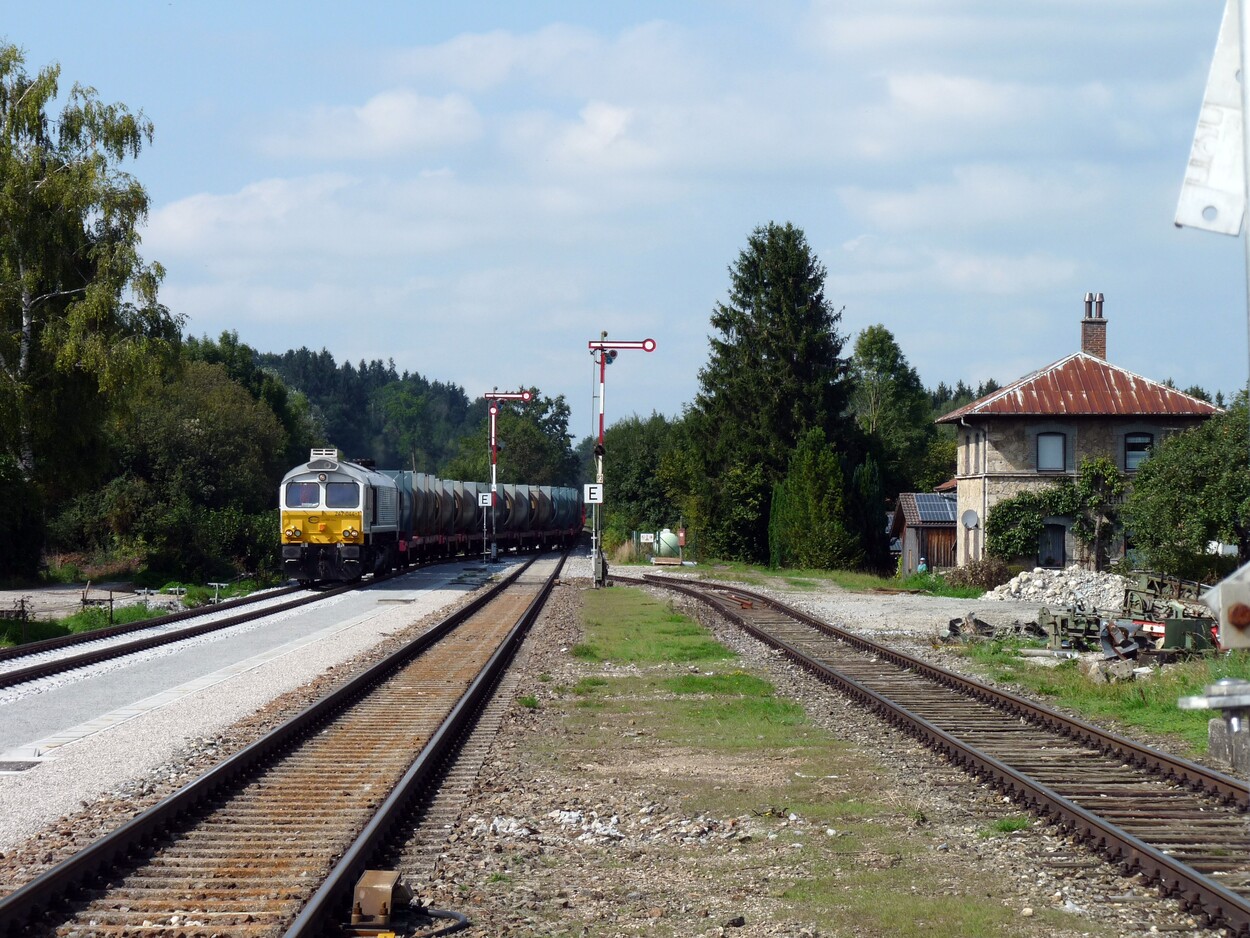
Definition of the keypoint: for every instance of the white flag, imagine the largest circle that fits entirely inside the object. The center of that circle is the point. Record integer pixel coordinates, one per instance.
(1213, 195)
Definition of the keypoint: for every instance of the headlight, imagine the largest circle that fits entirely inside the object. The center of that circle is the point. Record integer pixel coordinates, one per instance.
(349, 533)
(292, 532)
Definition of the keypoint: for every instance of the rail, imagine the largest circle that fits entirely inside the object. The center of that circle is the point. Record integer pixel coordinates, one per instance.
(1204, 896)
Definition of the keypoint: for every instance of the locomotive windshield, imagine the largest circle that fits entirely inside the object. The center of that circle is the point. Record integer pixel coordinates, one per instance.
(303, 495)
(342, 495)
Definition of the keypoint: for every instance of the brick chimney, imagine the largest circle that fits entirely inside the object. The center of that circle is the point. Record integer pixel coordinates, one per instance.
(1094, 327)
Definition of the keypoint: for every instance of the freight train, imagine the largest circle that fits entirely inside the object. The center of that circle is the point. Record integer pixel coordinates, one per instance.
(343, 519)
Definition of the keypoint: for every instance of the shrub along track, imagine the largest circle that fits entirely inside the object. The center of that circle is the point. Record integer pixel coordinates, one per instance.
(278, 834)
(1181, 825)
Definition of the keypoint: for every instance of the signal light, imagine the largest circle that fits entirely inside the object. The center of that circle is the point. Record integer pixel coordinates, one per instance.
(612, 353)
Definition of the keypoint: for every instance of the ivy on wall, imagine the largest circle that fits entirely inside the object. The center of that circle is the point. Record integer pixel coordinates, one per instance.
(1092, 501)
(1014, 526)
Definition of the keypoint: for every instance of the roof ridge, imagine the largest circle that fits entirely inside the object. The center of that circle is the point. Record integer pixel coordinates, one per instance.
(1170, 399)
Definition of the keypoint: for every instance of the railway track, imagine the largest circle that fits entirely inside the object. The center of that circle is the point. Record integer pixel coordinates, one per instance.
(31, 662)
(21, 664)
(16, 652)
(1182, 825)
(274, 838)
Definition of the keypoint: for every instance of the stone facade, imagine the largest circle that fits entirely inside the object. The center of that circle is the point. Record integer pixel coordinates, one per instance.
(998, 458)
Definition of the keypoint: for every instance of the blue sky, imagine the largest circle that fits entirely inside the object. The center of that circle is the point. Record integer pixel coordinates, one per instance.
(476, 189)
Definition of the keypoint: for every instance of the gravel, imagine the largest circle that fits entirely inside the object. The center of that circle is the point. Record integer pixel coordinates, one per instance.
(157, 750)
(533, 846)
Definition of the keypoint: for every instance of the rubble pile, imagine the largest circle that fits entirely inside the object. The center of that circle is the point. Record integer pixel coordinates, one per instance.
(1057, 589)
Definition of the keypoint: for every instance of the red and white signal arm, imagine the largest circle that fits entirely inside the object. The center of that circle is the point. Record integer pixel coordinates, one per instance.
(593, 493)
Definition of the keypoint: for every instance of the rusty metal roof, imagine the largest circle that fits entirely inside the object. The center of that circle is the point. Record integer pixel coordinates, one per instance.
(1084, 385)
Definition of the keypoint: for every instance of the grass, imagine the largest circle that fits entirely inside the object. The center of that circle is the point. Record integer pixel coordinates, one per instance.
(631, 627)
(1010, 824)
(88, 620)
(1148, 705)
(720, 742)
(587, 685)
(853, 580)
(97, 617)
(737, 683)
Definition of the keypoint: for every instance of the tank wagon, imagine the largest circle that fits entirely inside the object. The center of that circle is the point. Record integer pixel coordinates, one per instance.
(342, 519)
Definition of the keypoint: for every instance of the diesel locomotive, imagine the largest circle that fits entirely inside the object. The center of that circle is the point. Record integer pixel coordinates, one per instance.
(342, 519)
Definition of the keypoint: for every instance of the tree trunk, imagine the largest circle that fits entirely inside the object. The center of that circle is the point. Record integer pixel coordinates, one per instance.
(26, 450)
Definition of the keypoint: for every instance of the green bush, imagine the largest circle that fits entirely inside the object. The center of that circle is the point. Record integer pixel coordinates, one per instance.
(22, 545)
(985, 574)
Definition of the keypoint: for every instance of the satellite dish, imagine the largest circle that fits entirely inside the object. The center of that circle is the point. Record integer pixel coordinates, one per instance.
(969, 519)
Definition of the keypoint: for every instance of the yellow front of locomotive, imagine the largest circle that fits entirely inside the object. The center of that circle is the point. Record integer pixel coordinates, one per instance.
(322, 520)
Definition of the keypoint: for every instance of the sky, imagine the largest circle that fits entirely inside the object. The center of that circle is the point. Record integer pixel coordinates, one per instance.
(475, 190)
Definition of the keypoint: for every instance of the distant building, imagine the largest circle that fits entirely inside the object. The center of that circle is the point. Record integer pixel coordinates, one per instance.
(1039, 428)
(924, 525)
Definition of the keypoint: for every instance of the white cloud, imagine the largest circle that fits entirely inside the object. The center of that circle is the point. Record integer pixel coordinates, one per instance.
(604, 139)
(984, 197)
(391, 123)
(962, 272)
(647, 61)
(975, 163)
(868, 267)
(483, 61)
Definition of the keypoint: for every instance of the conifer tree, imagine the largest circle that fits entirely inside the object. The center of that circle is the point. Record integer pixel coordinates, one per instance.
(775, 371)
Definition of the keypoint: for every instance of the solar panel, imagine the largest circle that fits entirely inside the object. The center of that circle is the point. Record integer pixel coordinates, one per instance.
(934, 506)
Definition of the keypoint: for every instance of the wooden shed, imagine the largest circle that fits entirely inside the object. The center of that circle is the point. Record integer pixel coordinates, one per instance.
(924, 523)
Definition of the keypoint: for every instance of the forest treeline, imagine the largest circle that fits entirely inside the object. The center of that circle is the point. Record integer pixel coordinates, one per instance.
(127, 444)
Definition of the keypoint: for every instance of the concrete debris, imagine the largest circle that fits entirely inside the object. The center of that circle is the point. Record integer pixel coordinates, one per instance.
(1061, 588)
(1102, 671)
(973, 625)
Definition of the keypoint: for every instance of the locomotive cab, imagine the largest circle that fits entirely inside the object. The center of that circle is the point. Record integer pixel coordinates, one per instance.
(339, 520)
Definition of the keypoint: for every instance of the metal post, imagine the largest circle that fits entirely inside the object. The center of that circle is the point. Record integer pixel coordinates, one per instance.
(496, 395)
(494, 485)
(606, 352)
(1231, 697)
(1244, 35)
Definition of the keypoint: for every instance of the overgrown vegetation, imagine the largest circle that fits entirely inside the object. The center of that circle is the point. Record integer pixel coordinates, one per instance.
(1192, 491)
(630, 626)
(87, 620)
(731, 748)
(983, 574)
(939, 584)
(1147, 705)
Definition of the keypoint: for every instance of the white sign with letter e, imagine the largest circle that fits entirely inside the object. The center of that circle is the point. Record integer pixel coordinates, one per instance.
(594, 494)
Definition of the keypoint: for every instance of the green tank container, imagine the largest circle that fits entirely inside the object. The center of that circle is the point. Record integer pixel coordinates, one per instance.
(666, 544)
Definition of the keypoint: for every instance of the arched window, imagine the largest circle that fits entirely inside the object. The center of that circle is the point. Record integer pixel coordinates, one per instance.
(1052, 453)
(1136, 449)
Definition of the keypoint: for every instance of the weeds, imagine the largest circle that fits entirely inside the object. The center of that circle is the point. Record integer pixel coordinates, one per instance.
(1009, 825)
(1147, 704)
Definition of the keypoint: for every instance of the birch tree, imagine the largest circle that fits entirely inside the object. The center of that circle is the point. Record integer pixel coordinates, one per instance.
(79, 316)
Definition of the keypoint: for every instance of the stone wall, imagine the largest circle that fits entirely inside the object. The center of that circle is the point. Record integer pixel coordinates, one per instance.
(998, 459)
